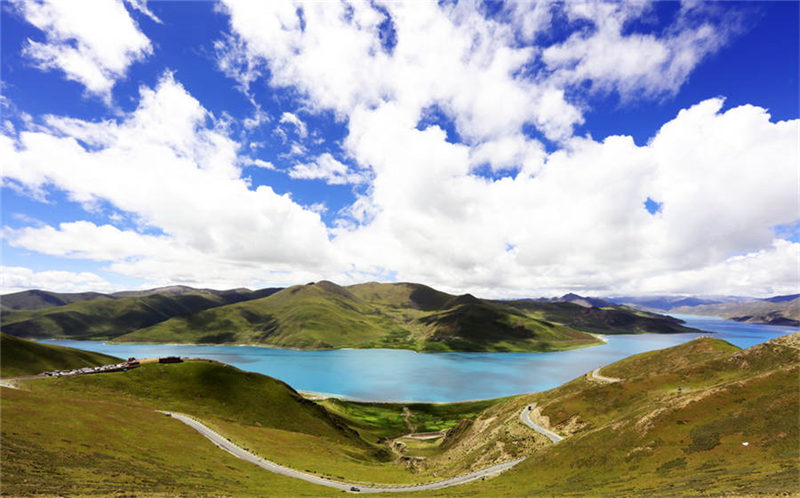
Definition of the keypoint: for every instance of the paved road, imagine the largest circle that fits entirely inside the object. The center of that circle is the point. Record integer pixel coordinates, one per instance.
(596, 376)
(238, 452)
(524, 417)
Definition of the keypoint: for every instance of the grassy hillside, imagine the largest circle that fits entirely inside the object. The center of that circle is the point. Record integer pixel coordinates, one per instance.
(22, 357)
(637, 437)
(105, 318)
(318, 316)
(608, 320)
(643, 436)
(100, 434)
(412, 316)
(376, 422)
(773, 311)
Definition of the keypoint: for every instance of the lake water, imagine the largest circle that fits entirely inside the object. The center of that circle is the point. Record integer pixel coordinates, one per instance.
(400, 375)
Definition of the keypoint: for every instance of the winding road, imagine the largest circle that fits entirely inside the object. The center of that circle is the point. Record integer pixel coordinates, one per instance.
(596, 376)
(226, 445)
(525, 418)
(238, 452)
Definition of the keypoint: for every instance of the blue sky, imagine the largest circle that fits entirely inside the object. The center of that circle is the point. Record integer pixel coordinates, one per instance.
(503, 149)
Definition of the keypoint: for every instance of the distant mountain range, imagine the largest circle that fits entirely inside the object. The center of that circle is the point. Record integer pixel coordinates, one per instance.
(324, 315)
(39, 299)
(777, 310)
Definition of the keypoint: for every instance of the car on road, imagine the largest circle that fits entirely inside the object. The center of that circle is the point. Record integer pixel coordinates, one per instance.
(354, 489)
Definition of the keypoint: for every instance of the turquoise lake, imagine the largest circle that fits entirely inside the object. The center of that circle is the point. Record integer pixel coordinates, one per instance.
(399, 375)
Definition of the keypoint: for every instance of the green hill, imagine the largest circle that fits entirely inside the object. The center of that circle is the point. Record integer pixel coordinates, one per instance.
(38, 299)
(21, 357)
(100, 434)
(412, 316)
(325, 315)
(731, 428)
(105, 318)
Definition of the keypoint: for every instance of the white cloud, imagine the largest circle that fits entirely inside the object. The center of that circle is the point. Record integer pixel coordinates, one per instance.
(327, 168)
(92, 41)
(236, 62)
(172, 169)
(17, 278)
(632, 63)
(299, 125)
(573, 219)
(258, 163)
(724, 178)
(451, 56)
(141, 6)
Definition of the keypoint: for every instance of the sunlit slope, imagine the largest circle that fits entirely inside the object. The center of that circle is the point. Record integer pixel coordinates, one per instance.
(100, 319)
(23, 357)
(98, 434)
(644, 436)
(325, 315)
(321, 315)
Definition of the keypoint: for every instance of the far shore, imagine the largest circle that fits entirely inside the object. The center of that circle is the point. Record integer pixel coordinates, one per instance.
(318, 396)
(111, 342)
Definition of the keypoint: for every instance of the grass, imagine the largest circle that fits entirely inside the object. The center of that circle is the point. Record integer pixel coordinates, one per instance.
(22, 357)
(257, 412)
(212, 390)
(643, 437)
(379, 421)
(56, 443)
(100, 435)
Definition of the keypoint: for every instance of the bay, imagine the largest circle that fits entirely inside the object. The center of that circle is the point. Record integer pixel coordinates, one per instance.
(401, 375)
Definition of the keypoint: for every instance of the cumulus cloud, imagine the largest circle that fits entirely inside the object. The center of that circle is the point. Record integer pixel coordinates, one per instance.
(169, 166)
(450, 56)
(92, 41)
(631, 63)
(546, 222)
(297, 123)
(579, 223)
(17, 278)
(327, 168)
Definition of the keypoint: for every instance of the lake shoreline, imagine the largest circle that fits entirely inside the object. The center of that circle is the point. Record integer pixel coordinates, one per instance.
(404, 376)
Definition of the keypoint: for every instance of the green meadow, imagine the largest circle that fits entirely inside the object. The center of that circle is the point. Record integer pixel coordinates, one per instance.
(675, 425)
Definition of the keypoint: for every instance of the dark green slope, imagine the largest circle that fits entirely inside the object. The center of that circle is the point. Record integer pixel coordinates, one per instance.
(475, 325)
(608, 320)
(105, 318)
(38, 299)
(22, 357)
